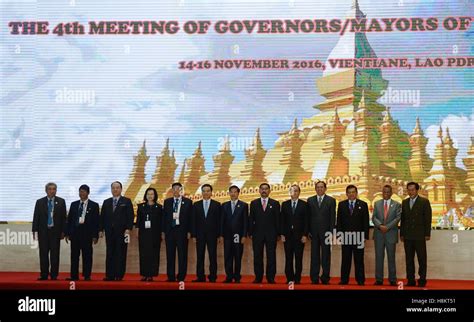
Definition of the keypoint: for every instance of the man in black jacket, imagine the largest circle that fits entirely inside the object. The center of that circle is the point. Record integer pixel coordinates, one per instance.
(177, 221)
(206, 229)
(415, 230)
(322, 220)
(83, 231)
(49, 224)
(264, 229)
(294, 230)
(353, 225)
(116, 219)
(234, 225)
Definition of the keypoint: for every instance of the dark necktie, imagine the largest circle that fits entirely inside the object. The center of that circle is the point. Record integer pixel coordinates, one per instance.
(319, 201)
(81, 209)
(351, 207)
(175, 209)
(293, 207)
(50, 212)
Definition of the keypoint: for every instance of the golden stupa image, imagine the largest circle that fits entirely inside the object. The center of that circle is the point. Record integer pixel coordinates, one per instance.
(352, 140)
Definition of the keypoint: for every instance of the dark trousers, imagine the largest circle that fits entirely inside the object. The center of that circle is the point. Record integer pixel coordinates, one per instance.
(320, 257)
(233, 250)
(293, 258)
(116, 255)
(176, 240)
(211, 243)
(347, 252)
(81, 242)
(417, 247)
(49, 244)
(270, 248)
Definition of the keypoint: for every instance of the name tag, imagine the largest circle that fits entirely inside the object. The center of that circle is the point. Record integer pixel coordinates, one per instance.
(148, 224)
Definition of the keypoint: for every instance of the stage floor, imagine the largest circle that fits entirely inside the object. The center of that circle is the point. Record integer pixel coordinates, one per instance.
(27, 281)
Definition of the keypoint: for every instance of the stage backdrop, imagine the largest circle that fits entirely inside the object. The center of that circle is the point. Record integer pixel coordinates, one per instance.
(207, 105)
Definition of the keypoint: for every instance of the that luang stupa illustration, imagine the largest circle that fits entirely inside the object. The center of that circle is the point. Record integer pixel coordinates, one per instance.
(353, 140)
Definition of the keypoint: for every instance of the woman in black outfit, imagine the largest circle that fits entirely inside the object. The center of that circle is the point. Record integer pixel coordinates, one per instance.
(149, 224)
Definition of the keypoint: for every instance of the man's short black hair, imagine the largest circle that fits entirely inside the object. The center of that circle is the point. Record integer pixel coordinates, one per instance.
(351, 186)
(388, 186)
(85, 188)
(116, 182)
(324, 183)
(206, 185)
(264, 184)
(234, 187)
(176, 184)
(412, 183)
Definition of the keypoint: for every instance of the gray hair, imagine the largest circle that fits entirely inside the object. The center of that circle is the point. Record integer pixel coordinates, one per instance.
(50, 184)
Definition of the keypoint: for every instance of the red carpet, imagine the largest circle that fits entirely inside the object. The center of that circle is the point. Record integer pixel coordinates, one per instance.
(27, 280)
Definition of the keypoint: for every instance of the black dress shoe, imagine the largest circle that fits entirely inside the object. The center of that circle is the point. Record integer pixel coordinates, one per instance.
(255, 281)
(72, 279)
(54, 278)
(149, 279)
(360, 283)
(227, 280)
(118, 279)
(107, 279)
(421, 283)
(271, 282)
(392, 283)
(170, 280)
(237, 281)
(410, 283)
(42, 278)
(314, 282)
(144, 279)
(325, 282)
(212, 281)
(378, 283)
(199, 280)
(343, 283)
(87, 278)
(297, 282)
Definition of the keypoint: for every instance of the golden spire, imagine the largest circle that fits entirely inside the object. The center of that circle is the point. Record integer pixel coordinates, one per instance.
(291, 158)
(253, 173)
(220, 178)
(469, 163)
(165, 168)
(333, 133)
(420, 162)
(194, 170)
(137, 175)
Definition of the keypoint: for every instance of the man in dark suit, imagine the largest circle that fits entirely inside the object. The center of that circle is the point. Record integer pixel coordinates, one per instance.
(116, 219)
(83, 231)
(415, 230)
(294, 230)
(322, 220)
(177, 221)
(353, 223)
(206, 230)
(49, 224)
(264, 229)
(234, 225)
(385, 218)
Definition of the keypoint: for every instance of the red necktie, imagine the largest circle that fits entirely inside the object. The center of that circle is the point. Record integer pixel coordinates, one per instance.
(264, 204)
(385, 210)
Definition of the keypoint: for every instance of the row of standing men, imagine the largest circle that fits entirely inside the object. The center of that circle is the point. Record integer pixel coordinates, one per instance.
(209, 223)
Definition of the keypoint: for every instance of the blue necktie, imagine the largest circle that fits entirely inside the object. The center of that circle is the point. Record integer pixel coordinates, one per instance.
(81, 209)
(351, 207)
(175, 209)
(206, 208)
(50, 212)
(115, 203)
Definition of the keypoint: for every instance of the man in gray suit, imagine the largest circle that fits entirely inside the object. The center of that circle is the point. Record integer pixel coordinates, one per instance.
(322, 220)
(387, 214)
